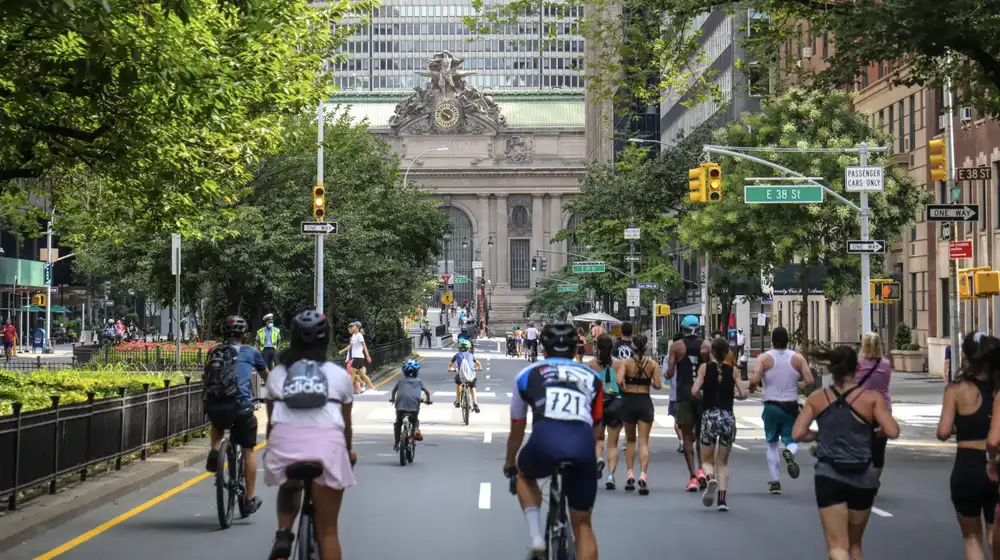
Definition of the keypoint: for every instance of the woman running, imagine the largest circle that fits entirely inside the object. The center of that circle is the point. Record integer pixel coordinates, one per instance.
(968, 405)
(306, 425)
(635, 378)
(718, 424)
(845, 476)
(608, 369)
(875, 373)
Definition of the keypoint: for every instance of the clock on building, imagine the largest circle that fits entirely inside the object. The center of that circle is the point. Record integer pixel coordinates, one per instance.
(446, 115)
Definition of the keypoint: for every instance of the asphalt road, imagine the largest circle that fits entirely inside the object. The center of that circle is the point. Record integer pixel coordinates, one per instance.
(452, 501)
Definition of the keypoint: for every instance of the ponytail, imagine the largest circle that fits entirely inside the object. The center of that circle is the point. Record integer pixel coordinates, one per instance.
(843, 362)
(604, 346)
(720, 350)
(639, 342)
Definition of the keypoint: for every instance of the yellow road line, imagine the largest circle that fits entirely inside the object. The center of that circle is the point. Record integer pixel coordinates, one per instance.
(395, 374)
(70, 545)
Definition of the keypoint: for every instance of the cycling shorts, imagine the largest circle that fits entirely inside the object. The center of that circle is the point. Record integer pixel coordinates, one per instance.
(241, 423)
(458, 381)
(555, 441)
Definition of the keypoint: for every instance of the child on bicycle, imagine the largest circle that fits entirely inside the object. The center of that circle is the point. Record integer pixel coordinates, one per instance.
(464, 356)
(406, 394)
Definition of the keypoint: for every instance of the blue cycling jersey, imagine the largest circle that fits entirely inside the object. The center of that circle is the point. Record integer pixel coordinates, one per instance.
(558, 389)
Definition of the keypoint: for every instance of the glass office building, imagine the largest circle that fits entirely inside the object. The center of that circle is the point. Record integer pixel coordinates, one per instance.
(401, 35)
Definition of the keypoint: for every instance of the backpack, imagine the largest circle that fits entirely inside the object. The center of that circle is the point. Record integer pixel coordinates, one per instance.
(219, 379)
(466, 372)
(305, 386)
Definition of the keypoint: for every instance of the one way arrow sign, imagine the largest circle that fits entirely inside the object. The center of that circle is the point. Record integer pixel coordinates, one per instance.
(865, 247)
(319, 228)
(952, 212)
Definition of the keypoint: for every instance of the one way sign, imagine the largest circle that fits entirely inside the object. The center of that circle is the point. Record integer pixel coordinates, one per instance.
(319, 228)
(952, 212)
(865, 247)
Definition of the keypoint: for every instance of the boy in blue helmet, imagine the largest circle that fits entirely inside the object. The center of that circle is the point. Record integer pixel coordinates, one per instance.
(406, 394)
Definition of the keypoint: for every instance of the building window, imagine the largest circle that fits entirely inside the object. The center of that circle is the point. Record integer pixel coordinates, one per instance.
(913, 299)
(923, 293)
(572, 245)
(913, 121)
(945, 300)
(757, 80)
(520, 256)
(891, 117)
(826, 45)
(982, 203)
(902, 131)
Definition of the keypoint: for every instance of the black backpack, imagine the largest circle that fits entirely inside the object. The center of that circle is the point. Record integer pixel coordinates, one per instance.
(219, 379)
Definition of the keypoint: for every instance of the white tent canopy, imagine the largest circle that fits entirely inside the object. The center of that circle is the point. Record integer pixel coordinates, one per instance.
(591, 317)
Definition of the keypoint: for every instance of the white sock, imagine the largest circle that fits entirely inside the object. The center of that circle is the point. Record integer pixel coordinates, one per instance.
(793, 447)
(534, 519)
(772, 460)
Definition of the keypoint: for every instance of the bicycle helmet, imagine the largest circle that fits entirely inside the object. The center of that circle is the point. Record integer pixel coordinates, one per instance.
(236, 326)
(310, 328)
(559, 339)
(410, 368)
(464, 345)
(690, 322)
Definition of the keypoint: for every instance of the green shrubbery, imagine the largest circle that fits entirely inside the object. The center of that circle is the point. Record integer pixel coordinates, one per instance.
(34, 389)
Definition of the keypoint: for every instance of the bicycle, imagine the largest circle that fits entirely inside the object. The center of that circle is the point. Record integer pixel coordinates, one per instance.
(228, 493)
(408, 433)
(560, 544)
(306, 542)
(466, 400)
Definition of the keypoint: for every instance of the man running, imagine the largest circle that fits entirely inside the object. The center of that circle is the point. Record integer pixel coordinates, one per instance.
(623, 346)
(684, 357)
(781, 370)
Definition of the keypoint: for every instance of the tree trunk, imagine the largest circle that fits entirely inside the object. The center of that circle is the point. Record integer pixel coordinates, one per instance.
(726, 301)
(803, 329)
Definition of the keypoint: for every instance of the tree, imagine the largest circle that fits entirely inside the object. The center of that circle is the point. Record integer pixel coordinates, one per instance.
(546, 299)
(637, 191)
(376, 269)
(957, 39)
(147, 113)
(752, 239)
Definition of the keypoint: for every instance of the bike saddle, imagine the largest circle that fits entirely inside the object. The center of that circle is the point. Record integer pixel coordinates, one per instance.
(304, 471)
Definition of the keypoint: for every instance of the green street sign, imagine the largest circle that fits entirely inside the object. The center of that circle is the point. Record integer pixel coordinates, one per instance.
(569, 288)
(782, 194)
(461, 280)
(588, 268)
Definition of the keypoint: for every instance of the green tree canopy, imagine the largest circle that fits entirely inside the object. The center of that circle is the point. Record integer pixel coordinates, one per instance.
(546, 299)
(148, 113)
(752, 239)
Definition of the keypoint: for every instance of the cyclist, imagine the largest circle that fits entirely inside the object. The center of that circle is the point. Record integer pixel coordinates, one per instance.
(9, 337)
(234, 413)
(531, 342)
(464, 355)
(683, 360)
(406, 395)
(309, 406)
(566, 401)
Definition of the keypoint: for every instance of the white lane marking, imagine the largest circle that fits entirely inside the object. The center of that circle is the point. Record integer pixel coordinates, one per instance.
(510, 395)
(487, 376)
(478, 394)
(484, 495)
(740, 447)
(374, 393)
(487, 388)
(488, 437)
(755, 421)
(660, 397)
(881, 512)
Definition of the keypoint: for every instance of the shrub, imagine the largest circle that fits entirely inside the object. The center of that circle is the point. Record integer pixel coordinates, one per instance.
(904, 337)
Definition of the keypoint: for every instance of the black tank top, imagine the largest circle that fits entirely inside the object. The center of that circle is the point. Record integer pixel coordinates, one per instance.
(639, 379)
(687, 367)
(715, 393)
(976, 426)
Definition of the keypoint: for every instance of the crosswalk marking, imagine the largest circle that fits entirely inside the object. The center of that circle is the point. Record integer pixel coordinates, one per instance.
(478, 394)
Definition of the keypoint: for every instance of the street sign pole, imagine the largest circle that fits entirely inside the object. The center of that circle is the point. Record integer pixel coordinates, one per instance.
(321, 113)
(48, 291)
(175, 257)
(866, 273)
(631, 254)
(956, 353)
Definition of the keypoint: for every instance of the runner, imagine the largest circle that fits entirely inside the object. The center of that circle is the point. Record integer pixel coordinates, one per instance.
(608, 368)
(718, 424)
(672, 407)
(581, 341)
(683, 359)
(518, 340)
(875, 372)
(845, 477)
(623, 346)
(781, 370)
(636, 377)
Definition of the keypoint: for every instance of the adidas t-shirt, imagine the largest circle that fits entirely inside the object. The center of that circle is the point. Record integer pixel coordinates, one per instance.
(339, 387)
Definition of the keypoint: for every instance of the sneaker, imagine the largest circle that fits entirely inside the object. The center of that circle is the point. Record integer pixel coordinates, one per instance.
(600, 468)
(475, 408)
(700, 474)
(282, 549)
(610, 484)
(793, 467)
(630, 482)
(536, 553)
(680, 447)
(213, 458)
(643, 485)
(711, 492)
(723, 506)
(395, 446)
(457, 405)
(250, 506)
(692, 485)
(418, 436)
(775, 487)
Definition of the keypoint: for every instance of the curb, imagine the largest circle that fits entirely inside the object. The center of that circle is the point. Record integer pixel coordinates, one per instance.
(38, 516)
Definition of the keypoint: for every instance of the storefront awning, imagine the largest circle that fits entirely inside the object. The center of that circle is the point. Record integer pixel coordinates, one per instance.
(60, 309)
(33, 309)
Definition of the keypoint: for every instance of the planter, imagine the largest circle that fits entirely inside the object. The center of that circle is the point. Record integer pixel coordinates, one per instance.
(911, 361)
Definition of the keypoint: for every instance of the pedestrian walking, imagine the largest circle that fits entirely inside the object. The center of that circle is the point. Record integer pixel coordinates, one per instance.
(425, 334)
(358, 357)
(875, 373)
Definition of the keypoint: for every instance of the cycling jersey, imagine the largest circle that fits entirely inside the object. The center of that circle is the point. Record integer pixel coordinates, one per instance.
(558, 389)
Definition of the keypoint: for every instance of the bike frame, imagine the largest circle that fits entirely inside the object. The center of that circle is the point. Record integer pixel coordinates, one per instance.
(558, 524)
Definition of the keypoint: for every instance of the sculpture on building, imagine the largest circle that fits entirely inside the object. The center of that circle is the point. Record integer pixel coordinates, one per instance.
(446, 104)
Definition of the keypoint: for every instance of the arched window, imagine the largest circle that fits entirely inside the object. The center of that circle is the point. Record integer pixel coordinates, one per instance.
(456, 253)
(571, 244)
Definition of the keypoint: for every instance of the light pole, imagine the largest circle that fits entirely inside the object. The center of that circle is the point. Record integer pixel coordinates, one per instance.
(420, 155)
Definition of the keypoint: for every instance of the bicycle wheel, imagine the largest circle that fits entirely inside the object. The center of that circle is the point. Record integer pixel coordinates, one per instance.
(404, 442)
(223, 501)
(305, 538)
(240, 485)
(411, 446)
(466, 406)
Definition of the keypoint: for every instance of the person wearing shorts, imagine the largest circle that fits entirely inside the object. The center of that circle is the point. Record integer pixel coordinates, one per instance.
(683, 359)
(358, 357)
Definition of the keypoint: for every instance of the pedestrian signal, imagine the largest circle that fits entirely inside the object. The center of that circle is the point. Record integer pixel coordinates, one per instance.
(885, 291)
(662, 310)
(986, 283)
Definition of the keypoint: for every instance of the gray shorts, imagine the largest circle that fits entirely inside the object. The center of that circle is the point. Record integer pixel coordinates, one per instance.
(672, 408)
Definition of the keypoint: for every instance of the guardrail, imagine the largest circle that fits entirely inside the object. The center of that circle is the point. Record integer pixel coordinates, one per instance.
(391, 352)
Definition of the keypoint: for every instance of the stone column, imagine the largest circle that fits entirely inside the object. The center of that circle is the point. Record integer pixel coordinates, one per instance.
(555, 219)
(537, 234)
(502, 277)
(485, 232)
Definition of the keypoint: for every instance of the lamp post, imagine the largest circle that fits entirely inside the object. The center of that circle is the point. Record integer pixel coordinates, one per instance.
(420, 155)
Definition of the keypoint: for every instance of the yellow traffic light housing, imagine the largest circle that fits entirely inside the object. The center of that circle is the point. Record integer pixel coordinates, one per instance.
(38, 300)
(986, 283)
(696, 184)
(938, 160)
(885, 291)
(714, 182)
(965, 285)
(662, 310)
(319, 203)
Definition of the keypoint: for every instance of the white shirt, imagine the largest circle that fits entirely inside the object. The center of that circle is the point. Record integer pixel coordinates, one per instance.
(532, 333)
(357, 346)
(740, 339)
(339, 387)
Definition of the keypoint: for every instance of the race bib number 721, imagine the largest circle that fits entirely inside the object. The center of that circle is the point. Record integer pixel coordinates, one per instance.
(565, 404)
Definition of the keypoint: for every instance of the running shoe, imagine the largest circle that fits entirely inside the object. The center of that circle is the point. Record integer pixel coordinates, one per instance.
(457, 405)
(775, 487)
(475, 408)
(643, 485)
(702, 480)
(536, 553)
(680, 447)
(600, 468)
(630, 482)
(282, 548)
(610, 484)
(723, 506)
(711, 493)
(213, 458)
(692, 485)
(793, 467)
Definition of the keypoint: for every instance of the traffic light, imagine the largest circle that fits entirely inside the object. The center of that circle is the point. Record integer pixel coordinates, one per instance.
(482, 282)
(534, 264)
(938, 160)
(697, 184)
(319, 203)
(885, 291)
(986, 283)
(965, 285)
(714, 182)
(662, 310)
(545, 264)
(38, 300)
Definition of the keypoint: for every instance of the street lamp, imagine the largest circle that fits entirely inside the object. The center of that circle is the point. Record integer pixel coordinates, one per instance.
(420, 155)
(646, 141)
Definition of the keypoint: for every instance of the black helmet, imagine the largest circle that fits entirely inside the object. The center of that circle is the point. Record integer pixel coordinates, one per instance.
(559, 339)
(236, 326)
(310, 328)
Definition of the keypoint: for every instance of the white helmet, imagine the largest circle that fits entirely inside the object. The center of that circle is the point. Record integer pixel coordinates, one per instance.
(269, 317)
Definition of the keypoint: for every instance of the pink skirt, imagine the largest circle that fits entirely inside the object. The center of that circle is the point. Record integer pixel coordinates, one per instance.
(291, 444)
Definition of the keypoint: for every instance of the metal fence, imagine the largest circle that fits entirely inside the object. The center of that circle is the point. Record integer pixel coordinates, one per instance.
(43, 446)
